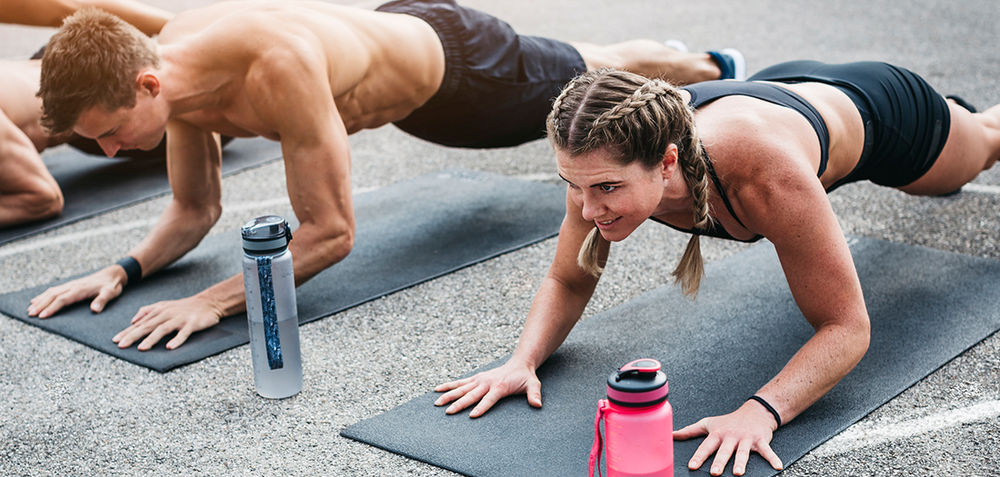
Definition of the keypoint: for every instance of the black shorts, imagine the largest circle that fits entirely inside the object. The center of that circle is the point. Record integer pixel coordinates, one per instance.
(906, 121)
(498, 86)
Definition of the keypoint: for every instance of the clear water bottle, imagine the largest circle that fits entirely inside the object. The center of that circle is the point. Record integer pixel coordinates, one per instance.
(638, 423)
(269, 283)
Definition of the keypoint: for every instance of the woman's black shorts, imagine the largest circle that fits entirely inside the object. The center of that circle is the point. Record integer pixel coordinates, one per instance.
(906, 121)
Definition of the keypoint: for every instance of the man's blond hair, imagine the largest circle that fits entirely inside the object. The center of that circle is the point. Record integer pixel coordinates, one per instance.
(93, 60)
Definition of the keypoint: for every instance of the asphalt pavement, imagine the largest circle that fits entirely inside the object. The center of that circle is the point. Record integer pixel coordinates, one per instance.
(66, 409)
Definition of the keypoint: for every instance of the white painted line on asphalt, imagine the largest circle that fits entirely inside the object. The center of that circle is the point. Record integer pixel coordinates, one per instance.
(981, 188)
(116, 228)
(860, 435)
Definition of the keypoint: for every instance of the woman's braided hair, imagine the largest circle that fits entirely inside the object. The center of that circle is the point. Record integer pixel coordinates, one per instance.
(636, 119)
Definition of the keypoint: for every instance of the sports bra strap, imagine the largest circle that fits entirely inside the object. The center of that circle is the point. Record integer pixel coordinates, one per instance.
(722, 193)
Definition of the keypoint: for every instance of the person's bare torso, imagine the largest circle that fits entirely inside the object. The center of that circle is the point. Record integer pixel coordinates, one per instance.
(380, 66)
(18, 101)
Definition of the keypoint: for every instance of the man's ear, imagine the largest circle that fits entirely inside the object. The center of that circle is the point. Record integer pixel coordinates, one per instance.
(669, 163)
(149, 82)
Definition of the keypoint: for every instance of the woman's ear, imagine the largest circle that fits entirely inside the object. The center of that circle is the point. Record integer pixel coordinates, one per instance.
(669, 163)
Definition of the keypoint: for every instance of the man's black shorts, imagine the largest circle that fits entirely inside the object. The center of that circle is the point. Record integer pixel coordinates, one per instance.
(498, 86)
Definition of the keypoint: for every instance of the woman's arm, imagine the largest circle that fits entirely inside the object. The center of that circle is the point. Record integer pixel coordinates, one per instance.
(557, 306)
(788, 205)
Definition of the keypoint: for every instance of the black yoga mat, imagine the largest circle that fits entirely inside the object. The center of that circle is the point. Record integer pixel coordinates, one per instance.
(93, 185)
(407, 233)
(926, 307)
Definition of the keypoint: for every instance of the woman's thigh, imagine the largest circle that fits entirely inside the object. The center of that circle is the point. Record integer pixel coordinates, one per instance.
(972, 146)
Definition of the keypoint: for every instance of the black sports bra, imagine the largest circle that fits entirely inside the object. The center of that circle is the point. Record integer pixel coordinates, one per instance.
(708, 91)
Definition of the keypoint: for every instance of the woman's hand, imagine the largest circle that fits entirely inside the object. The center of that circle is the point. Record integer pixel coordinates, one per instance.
(747, 429)
(488, 387)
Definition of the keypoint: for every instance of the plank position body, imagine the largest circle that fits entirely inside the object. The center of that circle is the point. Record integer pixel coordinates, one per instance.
(307, 74)
(28, 192)
(738, 160)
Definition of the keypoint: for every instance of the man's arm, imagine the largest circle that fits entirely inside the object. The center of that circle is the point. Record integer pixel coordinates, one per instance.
(27, 190)
(194, 169)
(288, 89)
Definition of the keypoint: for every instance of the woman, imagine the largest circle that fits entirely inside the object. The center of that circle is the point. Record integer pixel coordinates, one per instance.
(739, 160)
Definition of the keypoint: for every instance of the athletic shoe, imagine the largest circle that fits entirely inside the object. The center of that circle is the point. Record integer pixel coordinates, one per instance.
(731, 62)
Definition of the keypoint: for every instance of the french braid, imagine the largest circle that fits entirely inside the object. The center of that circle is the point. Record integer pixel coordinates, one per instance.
(637, 119)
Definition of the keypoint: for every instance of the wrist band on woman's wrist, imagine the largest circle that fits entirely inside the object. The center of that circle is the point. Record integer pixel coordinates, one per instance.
(768, 407)
(133, 271)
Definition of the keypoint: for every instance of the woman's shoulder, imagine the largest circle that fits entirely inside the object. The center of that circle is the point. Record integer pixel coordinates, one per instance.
(749, 140)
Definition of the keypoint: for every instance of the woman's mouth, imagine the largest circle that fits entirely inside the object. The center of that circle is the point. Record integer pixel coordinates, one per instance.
(606, 224)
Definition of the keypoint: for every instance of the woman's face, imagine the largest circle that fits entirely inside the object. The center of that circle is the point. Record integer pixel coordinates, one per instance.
(616, 197)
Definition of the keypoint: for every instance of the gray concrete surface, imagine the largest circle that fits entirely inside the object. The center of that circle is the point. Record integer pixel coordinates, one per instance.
(68, 410)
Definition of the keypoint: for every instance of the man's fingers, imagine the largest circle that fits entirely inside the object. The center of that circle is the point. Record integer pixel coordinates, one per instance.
(534, 392)
(103, 297)
(39, 302)
(142, 314)
(486, 402)
(453, 394)
(130, 335)
(182, 336)
(155, 336)
(470, 397)
(452, 385)
(56, 304)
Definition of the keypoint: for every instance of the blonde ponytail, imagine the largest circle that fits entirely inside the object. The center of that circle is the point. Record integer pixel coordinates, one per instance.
(590, 254)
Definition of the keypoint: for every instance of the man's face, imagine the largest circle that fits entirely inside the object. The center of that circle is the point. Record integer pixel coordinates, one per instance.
(139, 127)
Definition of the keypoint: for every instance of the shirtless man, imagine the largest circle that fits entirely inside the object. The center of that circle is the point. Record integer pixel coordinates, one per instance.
(27, 190)
(307, 74)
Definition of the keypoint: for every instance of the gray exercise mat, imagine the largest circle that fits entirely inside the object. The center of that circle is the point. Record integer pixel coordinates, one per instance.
(93, 185)
(926, 307)
(407, 233)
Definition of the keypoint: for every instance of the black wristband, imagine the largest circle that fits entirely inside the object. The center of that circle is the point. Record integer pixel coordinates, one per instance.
(768, 407)
(133, 271)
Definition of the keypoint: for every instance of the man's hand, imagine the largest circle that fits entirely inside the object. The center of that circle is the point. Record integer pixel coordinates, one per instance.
(488, 387)
(185, 316)
(747, 429)
(103, 285)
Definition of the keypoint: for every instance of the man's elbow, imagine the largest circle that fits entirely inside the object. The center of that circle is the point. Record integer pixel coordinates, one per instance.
(199, 216)
(336, 244)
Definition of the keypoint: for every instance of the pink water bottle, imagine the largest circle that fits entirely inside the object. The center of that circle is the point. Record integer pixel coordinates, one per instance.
(638, 423)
